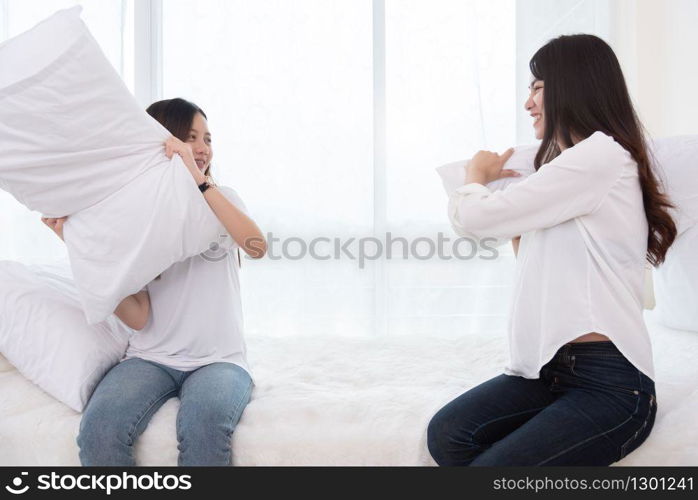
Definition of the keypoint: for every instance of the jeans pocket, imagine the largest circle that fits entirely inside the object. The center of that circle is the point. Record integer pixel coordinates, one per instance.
(639, 436)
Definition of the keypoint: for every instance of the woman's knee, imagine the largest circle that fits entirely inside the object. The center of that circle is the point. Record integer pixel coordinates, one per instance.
(202, 406)
(448, 442)
(104, 441)
(215, 417)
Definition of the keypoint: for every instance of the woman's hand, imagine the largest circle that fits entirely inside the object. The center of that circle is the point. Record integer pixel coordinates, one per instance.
(487, 166)
(174, 145)
(56, 224)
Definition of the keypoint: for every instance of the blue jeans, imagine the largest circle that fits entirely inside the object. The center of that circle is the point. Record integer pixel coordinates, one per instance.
(212, 399)
(590, 406)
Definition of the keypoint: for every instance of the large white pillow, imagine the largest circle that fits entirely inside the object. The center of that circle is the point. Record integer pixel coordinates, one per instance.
(676, 284)
(43, 333)
(676, 280)
(76, 143)
(677, 159)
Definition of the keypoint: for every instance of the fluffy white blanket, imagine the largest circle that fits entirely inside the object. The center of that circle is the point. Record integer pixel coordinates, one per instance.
(347, 401)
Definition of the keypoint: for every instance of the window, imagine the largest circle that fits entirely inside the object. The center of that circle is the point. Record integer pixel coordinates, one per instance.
(328, 118)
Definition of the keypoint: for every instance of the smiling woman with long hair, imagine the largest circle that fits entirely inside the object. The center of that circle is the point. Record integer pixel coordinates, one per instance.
(578, 388)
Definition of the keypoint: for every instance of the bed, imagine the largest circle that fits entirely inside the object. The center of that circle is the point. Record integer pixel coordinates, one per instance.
(347, 401)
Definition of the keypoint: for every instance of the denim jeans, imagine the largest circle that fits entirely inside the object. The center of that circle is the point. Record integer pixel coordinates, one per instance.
(212, 399)
(590, 406)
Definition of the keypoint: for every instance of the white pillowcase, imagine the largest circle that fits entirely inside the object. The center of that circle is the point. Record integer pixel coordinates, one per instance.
(453, 174)
(676, 280)
(43, 333)
(677, 159)
(76, 143)
(676, 284)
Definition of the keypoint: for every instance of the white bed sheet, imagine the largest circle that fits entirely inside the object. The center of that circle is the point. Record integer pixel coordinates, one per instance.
(315, 404)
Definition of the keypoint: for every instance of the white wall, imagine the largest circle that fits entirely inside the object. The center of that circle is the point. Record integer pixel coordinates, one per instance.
(537, 22)
(666, 79)
(656, 43)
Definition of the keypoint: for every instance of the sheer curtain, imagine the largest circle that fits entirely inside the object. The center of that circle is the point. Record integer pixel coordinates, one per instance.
(292, 89)
(328, 118)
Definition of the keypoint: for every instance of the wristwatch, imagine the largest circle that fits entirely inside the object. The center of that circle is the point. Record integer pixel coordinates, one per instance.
(206, 184)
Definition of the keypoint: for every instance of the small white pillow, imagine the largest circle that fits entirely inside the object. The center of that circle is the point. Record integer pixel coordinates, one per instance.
(76, 143)
(43, 333)
(453, 174)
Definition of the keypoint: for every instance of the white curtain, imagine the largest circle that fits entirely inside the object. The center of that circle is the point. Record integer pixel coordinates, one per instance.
(328, 118)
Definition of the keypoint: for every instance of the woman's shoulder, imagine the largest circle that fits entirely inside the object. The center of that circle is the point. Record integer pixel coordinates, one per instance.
(600, 144)
(599, 150)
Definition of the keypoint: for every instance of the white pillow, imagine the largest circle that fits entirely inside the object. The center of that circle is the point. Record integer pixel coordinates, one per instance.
(676, 284)
(76, 143)
(453, 174)
(676, 280)
(677, 159)
(43, 333)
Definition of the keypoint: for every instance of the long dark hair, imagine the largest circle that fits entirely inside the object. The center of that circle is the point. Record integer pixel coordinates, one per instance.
(585, 92)
(177, 116)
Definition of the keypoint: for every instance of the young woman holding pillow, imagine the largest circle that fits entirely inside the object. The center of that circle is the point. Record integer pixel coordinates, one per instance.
(189, 340)
(578, 389)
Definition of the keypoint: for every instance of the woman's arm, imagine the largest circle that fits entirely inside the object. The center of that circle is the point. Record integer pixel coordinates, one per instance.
(573, 184)
(243, 229)
(134, 310)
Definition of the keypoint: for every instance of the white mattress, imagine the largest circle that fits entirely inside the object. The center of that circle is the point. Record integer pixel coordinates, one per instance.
(347, 401)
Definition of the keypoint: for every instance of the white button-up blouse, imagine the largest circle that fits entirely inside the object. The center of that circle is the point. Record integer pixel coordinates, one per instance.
(581, 260)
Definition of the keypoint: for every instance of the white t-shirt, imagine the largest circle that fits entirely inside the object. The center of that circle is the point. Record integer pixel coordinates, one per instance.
(195, 310)
(581, 260)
